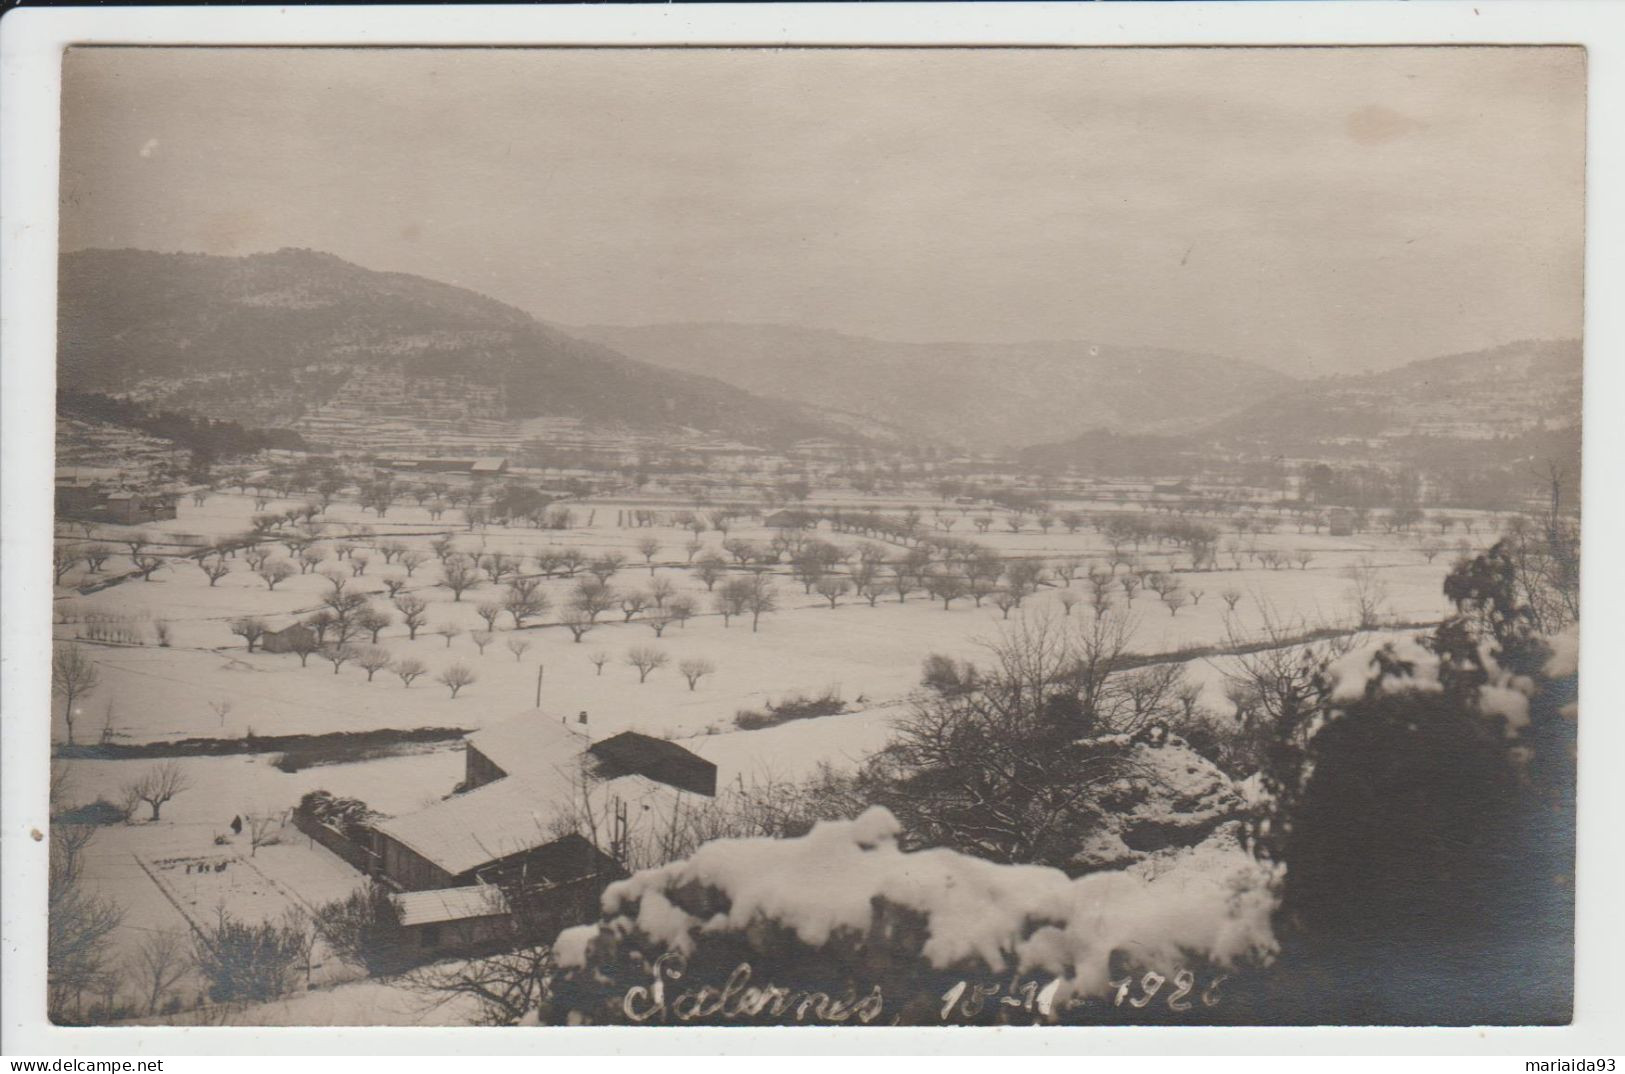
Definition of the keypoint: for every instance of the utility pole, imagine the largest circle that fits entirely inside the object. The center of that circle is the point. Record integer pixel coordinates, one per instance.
(539, 670)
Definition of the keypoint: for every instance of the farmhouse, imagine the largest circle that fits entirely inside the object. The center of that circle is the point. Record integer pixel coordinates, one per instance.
(95, 501)
(289, 639)
(528, 782)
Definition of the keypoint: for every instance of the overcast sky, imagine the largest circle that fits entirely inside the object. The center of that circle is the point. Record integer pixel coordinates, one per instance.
(1318, 210)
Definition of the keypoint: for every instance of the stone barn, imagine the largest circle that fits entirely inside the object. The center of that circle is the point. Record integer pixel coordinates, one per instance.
(288, 639)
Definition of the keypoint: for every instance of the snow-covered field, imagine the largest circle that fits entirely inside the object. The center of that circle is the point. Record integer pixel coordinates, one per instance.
(205, 684)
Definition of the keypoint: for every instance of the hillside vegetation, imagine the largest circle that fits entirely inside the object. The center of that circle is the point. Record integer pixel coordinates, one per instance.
(263, 338)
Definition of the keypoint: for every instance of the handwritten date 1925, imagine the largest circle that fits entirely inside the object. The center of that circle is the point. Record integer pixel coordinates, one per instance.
(1179, 991)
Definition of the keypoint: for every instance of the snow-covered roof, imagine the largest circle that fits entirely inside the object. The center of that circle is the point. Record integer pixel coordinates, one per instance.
(547, 786)
(449, 904)
(533, 741)
(506, 817)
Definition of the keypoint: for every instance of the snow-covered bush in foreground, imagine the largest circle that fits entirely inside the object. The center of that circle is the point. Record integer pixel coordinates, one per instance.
(871, 931)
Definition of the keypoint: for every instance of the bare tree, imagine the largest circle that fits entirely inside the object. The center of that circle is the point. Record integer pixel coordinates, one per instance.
(459, 576)
(488, 610)
(408, 668)
(497, 566)
(456, 677)
(1231, 598)
(1367, 592)
(158, 785)
(593, 597)
(79, 923)
(260, 831)
(709, 569)
(74, 676)
(481, 638)
(694, 669)
(1130, 583)
(251, 628)
(1068, 598)
(372, 621)
(681, 608)
(63, 559)
(372, 659)
(732, 598)
(96, 555)
(160, 961)
(524, 599)
(448, 631)
(761, 598)
(946, 586)
(1174, 599)
(578, 622)
(214, 569)
(599, 658)
(633, 603)
(1015, 769)
(276, 571)
(505, 988)
(147, 566)
(605, 566)
(302, 643)
(649, 547)
(1005, 600)
(413, 611)
(832, 587)
(646, 658)
(338, 655)
(518, 646)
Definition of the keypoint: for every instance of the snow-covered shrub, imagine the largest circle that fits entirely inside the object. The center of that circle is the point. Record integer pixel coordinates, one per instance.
(1429, 841)
(852, 928)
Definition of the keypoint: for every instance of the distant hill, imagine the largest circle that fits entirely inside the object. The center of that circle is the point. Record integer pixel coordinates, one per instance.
(1480, 395)
(264, 338)
(986, 396)
(1474, 410)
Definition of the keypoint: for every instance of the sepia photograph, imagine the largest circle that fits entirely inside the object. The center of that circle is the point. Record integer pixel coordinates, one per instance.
(841, 536)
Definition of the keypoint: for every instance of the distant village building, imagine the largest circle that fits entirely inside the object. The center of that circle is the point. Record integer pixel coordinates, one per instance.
(485, 466)
(790, 520)
(90, 500)
(1340, 522)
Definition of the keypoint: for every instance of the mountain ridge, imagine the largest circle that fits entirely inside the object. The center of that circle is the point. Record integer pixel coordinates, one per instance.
(138, 319)
(990, 395)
